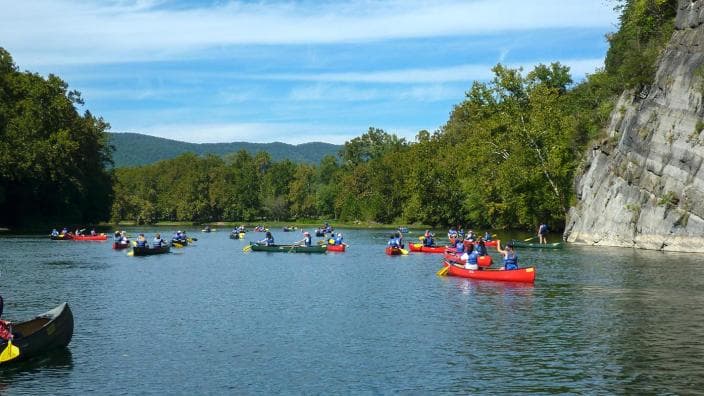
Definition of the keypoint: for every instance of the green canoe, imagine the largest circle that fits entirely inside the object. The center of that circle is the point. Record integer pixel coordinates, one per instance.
(288, 248)
(521, 244)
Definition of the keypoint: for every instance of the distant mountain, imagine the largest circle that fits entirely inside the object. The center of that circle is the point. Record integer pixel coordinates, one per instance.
(132, 149)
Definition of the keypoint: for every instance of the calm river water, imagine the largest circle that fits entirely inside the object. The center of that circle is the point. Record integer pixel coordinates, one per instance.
(210, 319)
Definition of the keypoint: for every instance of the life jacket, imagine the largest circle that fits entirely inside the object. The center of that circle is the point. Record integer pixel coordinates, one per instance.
(459, 247)
(472, 259)
(142, 243)
(511, 261)
(338, 241)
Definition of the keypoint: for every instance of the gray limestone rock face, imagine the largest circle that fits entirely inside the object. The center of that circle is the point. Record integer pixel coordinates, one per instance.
(643, 186)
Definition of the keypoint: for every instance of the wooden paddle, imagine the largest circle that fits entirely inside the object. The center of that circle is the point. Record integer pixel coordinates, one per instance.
(10, 352)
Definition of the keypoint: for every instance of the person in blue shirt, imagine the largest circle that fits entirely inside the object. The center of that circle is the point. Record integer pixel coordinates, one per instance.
(306, 241)
(487, 236)
(338, 239)
(158, 242)
(459, 246)
(480, 248)
(542, 233)
(141, 241)
(428, 239)
(268, 239)
(393, 241)
(54, 232)
(510, 257)
(470, 260)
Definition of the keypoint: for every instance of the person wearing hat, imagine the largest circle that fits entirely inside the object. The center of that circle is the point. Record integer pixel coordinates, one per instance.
(307, 240)
(5, 332)
(510, 257)
(338, 239)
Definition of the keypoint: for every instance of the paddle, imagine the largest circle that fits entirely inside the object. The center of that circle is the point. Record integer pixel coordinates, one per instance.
(10, 352)
(403, 251)
(247, 248)
(529, 239)
(442, 271)
(177, 245)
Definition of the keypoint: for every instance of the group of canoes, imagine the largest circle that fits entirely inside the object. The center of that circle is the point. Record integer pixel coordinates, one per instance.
(79, 235)
(334, 244)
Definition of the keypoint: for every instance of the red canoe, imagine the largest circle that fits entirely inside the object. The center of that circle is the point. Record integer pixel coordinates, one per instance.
(482, 261)
(417, 247)
(336, 248)
(519, 275)
(117, 245)
(393, 251)
(99, 237)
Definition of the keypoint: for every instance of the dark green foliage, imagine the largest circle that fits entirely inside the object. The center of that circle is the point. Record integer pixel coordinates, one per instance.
(52, 159)
(133, 149)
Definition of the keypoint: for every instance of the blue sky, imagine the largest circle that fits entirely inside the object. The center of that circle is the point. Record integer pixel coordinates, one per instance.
(292, 71)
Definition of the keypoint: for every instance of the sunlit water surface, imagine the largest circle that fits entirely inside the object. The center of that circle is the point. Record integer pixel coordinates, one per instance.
(210, 318)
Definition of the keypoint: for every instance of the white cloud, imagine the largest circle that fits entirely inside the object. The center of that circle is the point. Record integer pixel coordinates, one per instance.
(68, 32)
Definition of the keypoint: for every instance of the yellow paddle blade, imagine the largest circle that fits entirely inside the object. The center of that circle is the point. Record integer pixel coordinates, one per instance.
(442, 271)
(420, 238)
(247, 248)
(10, 352)
(130, 253)
(403, 251)
(177, 245)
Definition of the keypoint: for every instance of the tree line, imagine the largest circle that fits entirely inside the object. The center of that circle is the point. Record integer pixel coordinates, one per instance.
(506, 157)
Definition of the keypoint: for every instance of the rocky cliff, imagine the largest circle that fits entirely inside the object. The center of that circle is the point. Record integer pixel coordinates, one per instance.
(643, 186)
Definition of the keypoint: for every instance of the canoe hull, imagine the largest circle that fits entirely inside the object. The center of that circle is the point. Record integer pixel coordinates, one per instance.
(101, 237)
(336, 248)
(417, 247)
(150, 251)
(288, 248)
(393, 251)
(119, 246)
(526, 275)
(48, 331)
(521, 244)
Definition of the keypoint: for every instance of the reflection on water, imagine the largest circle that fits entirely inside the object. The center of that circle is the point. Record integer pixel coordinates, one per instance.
(597, 320)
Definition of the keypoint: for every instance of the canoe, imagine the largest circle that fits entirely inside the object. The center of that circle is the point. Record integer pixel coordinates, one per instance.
(289, 229)
(288, 248)
(48, 331)
(208, 230)
(336, 248)
(521, 244)
(99, 237)
(61, 237)
(418, 247)
(119, 245)
(490, 243)
(235, 235)
(393, 251)
(482, 261)
(519, 275)
(181, 242)
(149, 251)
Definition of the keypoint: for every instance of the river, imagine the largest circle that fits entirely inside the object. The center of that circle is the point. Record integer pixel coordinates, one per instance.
(212, 319)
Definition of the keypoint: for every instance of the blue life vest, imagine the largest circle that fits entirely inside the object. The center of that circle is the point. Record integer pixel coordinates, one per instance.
(511, 262)
(141, 243)
(473, 257)
(459, 247)
(338, 240)
(481, 250)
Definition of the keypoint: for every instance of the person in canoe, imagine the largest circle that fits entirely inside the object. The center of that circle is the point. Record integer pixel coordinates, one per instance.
(142, 241)
(399, 238)
(393, 241)
(157, 241)
(452, 234)
(487, 236)
(542, 233)
(428, 239)
(5, 332)
(64, 231)
(306, 241)
(470, 260)
(268, 239)
(92, 232)
(459, 246)
(480, 247)
(510, 257)
(54, 232)
(338, 239)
